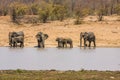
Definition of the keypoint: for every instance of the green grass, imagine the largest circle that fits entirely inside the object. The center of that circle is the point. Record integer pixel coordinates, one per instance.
(58, 75)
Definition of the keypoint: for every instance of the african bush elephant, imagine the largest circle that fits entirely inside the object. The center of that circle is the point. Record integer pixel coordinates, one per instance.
(62, 42)
(18, 39)
(41, 37)
(14, 34)
(87, 36)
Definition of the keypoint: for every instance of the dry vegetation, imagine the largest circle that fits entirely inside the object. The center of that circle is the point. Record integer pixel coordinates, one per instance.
(59, 75)
(107, 32)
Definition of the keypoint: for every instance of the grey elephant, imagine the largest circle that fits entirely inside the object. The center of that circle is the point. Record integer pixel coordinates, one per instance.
(62, 42)
(13, 35)
(87, 36)
(18, 39)
(41, 37)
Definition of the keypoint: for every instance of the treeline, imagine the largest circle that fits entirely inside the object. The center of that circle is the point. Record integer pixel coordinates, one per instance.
(58, 9)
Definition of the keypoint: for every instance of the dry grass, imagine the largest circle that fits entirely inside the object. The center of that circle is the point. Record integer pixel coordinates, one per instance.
(107, 32)
(59, 75)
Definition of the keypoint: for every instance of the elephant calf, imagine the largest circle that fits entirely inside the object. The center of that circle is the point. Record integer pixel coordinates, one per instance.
(19, 39)
(62, 42)
(41, 37)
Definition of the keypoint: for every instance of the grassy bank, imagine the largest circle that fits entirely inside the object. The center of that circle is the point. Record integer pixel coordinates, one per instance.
(59, 75)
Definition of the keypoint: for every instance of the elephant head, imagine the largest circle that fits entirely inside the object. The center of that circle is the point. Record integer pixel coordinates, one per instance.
(84, 36)
(41, 39)
(60, 42)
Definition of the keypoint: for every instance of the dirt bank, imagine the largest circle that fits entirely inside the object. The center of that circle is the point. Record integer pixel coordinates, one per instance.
(107, 32)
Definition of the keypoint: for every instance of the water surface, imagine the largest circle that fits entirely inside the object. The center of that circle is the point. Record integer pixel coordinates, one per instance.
(60, 59)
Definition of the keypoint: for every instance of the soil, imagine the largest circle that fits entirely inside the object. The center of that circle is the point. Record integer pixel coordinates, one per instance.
(107, 32)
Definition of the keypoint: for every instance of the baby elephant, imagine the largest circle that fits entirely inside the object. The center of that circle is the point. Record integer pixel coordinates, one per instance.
(19, 39)
(62, 42)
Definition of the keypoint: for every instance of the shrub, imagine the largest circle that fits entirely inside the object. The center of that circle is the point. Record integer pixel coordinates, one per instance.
(18, 10)
(100, 14)
(59, 12)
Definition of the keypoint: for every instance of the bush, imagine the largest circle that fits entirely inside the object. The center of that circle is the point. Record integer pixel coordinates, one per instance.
(43, 15)
(59, 12)
(100, 14)
(78, 21)
(34, 9)
(18, 10)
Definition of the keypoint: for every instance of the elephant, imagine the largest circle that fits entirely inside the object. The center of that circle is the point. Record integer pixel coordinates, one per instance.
(14, 34)
(87, 36)
(18, 39)
(41, 37)
(62, 42)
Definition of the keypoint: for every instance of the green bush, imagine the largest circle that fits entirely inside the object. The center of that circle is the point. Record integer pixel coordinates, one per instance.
(59, 12)
(18, 10)
(43, 15)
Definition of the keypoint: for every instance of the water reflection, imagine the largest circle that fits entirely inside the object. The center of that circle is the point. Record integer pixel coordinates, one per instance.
(60, 59)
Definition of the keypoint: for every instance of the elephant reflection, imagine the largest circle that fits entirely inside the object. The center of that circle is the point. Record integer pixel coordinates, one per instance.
(87, 36)
(41, 37)
(62, 42)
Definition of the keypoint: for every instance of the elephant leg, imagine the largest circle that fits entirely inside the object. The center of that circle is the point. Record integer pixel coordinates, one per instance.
(94, 43)
(59, 44)
(21, 44)
(43, 45)
(71, 45)
(84, 43)
(65, 44)
(14, 44)
(38, 44)
(89, 43)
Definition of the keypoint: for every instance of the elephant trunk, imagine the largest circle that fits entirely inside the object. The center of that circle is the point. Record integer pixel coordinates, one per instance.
(71, 45)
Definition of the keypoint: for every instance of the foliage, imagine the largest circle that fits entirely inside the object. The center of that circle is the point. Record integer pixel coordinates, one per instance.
(34, 9)
(117, 9)
(18, 10)
(79, 14)
(100, 14)
(44, 12)
(59, 12)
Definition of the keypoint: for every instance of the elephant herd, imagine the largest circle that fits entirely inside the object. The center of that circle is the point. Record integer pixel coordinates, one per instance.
(16, 38)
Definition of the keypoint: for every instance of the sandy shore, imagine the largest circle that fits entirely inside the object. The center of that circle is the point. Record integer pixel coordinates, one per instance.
(107, 32)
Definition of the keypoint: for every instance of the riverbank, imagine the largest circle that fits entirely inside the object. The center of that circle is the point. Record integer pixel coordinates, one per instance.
(58, 75)
(107, 32)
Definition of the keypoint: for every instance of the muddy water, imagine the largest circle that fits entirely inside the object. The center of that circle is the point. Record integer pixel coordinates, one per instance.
(60, 59)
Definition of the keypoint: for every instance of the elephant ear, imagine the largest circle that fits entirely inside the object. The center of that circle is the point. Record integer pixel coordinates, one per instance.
(57, 39)
(46, 36)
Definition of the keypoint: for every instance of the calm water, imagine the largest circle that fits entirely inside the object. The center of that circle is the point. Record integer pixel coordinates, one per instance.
(60, 59)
